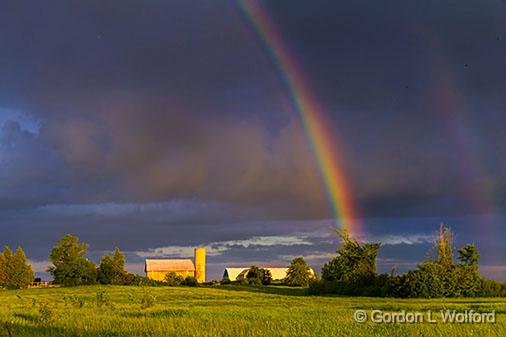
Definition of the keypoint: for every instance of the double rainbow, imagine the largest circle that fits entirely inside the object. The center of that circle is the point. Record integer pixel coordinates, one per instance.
(322, 138)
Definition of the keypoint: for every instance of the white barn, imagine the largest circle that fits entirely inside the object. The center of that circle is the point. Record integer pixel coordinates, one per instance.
(240, 273)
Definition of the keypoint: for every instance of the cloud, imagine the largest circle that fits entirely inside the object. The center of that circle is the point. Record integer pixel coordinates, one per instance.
(497, 272)
(40, 266)
(141, 149)
(161, 154)
(407, 239)
(218, 248)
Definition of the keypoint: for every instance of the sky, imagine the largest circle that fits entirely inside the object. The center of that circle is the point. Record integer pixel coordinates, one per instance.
(158, 126)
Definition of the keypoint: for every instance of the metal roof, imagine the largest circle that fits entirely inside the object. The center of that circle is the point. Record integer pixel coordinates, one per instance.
(166, 265)
(241, 272)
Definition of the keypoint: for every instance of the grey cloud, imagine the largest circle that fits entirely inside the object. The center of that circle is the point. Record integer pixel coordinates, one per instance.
(220, 247)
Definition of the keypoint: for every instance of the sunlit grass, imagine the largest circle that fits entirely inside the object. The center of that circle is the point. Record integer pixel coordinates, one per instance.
(220, 311)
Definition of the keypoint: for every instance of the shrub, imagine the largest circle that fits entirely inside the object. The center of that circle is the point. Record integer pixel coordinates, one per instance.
(258, 276)
(130, 279)
(266, 277)
(147, 282)
(76, 301)
(491, 288)
(190, 281)
(352, 272)
(102, 299)
(254, 281)
(225, 280)
(148, 299)
(47, 313)
(241, 282)
(173, 279)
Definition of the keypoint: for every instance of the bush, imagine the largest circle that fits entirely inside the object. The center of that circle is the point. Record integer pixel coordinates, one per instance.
(173, 279)
(241, 282)
(225, 280)
(190, 281)
(75, 301)
(148, 299)
(102, 299)
(47, 312)
(130, 279)
(352, 272)
(258, 276)
(254, 275)
(254, 281)
(430, 280)
(491, 288)
(147, 282)
(266, 277)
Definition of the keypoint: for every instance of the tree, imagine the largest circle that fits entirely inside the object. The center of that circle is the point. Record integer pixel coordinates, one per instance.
(255, 275)
(299, 273)
(104, 271)
(469, 255)
(70, 265)
(444, 246)
(118, 262)
(266, 276)
(354, 261)
(23, 271)
(440, 277)
(3, 267)
(15, 272)
(112, 269)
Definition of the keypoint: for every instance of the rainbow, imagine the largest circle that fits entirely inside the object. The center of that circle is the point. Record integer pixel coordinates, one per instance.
(321, 137)
(452, 107)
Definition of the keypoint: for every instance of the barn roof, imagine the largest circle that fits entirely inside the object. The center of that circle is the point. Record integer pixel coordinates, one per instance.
(278, 273)
(166, 265)
(240, 273)
(232, 273)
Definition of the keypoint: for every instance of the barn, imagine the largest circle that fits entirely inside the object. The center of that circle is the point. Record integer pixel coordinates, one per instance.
(240, 273)
(157, 269)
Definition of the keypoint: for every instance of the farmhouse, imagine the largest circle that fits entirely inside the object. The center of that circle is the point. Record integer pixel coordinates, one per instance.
(157, 269)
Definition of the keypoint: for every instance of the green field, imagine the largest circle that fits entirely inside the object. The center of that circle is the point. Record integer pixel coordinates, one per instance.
(221, 311)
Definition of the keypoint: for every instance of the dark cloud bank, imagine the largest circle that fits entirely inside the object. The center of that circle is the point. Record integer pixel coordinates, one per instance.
(150, 125)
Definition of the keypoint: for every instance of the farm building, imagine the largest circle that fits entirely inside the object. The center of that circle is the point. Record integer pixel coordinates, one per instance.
(157, 269)
(236, 274)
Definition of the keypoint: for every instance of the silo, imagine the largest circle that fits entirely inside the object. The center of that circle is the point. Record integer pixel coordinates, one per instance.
(200, 264)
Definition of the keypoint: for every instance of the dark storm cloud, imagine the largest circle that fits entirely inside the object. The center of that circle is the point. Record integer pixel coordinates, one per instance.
(137, 100)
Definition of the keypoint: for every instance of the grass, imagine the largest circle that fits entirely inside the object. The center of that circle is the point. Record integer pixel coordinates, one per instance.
(221, 311)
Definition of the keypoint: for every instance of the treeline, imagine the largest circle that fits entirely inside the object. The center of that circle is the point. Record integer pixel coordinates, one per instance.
(353, 272)
(70, 267)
